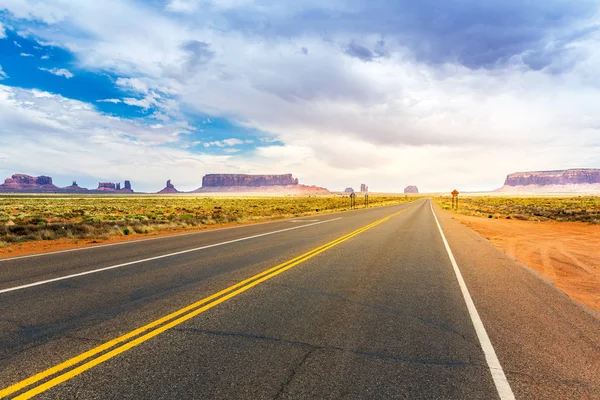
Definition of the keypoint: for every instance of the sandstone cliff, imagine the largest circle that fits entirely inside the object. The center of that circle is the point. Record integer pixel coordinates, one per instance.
(411, 189)
(255, 183)
(25, 183)
(217, 180)
(570, 180)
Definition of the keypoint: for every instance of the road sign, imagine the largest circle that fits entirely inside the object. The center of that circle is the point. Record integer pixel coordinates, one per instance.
(455, 199)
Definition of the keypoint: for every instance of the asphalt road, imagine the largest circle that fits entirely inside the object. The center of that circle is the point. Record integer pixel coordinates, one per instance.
(361, 304)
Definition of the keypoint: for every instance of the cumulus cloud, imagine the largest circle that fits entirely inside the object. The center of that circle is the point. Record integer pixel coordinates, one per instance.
(379, 89)
(114, 101)
(81, 140)
(26, 55)
(2, 31)
(58, 72)
(225, 142)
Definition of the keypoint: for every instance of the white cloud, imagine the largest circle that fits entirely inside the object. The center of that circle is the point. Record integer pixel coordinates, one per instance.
(2, 73)
(133, 84)
(72, 140)
(2, 31)
(224, 142)
(44, 57)
(26, 55)
(114, 101)
(59, 72)
(16, 43)
(144, 103)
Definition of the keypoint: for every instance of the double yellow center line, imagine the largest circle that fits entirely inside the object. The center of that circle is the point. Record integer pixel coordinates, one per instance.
(123, 343)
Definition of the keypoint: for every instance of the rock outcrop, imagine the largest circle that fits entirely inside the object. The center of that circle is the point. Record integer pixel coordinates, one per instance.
(219, 180)
(348, 190)
(255, 183)
(411, 189)
(114, 187)
(570, 180)
(364, 188)
(74, 188)
(21, 183)
(27, 183)
(169, 188)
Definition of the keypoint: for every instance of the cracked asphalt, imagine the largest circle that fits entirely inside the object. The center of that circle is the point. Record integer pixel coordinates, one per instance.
(380, 315)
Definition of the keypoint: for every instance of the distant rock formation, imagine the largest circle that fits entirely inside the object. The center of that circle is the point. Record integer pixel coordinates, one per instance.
(349, 190)
(255, 183)
(169, 188)
(21, 183)
(364, 188)
(27, 183)
(570, 180)
(74, 188)
(216, 180)
(114, 187)
(411, 189)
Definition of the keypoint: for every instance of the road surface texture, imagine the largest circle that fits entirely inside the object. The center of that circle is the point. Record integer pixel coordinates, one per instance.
(372, 303)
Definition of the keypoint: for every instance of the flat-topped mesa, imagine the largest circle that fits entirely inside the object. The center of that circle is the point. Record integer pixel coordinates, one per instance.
(411, 189)
(559, 177)
(22, 182)
(220, 180)
(285, 183)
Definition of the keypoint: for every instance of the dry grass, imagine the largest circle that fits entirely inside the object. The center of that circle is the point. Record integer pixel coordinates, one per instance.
(35, 218)
(538, 208)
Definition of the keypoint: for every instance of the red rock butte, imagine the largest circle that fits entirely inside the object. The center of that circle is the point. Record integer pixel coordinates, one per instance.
(570, 180)
(255, 183)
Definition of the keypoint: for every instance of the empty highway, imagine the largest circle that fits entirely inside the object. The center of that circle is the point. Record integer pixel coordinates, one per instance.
(392, 302)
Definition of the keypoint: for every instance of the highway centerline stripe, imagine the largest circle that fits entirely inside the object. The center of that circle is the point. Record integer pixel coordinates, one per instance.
(204, 304)
(94, 271)
(502, 386)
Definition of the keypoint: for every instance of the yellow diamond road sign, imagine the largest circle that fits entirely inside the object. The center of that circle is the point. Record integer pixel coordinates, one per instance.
(454, 193)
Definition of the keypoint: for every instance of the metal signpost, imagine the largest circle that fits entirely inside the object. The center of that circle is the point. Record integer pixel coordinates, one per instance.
(352, 200)
(366, 200)
(455, 199)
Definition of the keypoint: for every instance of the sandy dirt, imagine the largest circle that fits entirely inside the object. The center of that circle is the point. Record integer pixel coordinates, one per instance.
(567, 253)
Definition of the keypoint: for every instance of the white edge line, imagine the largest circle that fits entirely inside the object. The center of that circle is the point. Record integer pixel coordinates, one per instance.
(502, 386)
(167, 236)
(12, 289)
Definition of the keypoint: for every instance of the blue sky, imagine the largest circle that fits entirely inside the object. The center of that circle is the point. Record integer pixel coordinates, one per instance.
(433, 93)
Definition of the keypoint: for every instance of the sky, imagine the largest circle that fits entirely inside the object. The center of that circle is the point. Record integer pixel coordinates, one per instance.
(439, 94)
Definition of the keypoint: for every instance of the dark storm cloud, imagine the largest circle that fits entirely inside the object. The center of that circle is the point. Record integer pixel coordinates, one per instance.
(358, 51)
(199, 52)
(474, 33)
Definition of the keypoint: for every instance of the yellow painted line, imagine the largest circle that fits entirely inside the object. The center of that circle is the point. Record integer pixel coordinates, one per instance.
(226, 295)
(105, 346)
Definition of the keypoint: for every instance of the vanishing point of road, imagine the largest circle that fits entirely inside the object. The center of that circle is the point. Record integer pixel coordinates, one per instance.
(391, 302)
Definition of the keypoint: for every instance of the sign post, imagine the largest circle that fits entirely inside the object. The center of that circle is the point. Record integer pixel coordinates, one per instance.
(366, 200)
(455, 199)
(352, 200)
